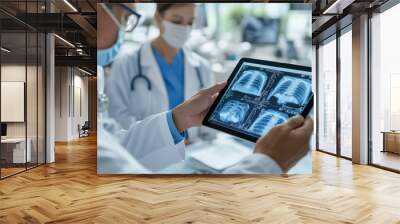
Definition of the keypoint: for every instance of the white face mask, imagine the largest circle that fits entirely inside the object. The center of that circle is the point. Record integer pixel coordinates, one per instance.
(175, 35)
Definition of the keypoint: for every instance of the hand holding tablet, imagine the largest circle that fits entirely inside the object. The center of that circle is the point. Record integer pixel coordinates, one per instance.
(260, 95)
(287, 143)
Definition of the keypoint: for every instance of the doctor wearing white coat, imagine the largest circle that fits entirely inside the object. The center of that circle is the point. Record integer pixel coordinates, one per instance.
(162, 73)
(132, 150)
(275, 153)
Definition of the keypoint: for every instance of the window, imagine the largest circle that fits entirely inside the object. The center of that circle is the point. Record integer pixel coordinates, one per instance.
(327, 97)
(385, 89)
(346, 94)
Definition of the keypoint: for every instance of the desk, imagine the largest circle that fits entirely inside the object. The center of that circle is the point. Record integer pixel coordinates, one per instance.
(391, 141)
(13, 150)
(201, 164)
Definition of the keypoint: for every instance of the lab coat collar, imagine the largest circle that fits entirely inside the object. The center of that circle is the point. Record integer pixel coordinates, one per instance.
(191, 81)
(190, 58)
(152, 71)
(148, 57)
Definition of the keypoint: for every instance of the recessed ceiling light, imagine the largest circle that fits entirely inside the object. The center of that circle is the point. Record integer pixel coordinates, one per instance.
(5, 50)
(84, 71)
(65, 41)
(70, 5)
(337, 7)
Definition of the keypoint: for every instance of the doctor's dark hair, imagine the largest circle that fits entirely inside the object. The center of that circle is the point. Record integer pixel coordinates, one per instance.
(162, 7)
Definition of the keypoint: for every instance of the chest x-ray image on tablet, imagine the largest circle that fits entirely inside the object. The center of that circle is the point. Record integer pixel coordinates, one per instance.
(260, 95)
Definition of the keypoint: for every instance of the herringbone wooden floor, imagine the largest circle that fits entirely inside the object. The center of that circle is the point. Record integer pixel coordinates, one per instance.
(69, 191)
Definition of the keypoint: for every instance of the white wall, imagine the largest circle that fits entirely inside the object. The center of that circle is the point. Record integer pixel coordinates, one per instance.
(61, 103)
(70, 84)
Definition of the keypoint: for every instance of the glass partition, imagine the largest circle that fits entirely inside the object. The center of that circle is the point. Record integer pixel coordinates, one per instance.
(41, 97)
(22, 77)
(35, 89)
(31, 98)
(14, 151)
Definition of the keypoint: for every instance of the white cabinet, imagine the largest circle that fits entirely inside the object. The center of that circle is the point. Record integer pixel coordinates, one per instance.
(17, 145)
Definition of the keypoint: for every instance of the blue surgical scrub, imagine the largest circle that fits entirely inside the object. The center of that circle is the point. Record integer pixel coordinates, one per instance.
(173, 76)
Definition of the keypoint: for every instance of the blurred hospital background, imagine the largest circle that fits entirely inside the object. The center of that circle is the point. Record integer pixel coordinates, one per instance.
(224, 33)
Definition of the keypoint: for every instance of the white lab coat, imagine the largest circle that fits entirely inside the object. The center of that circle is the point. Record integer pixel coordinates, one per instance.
(127, 106)
(146, 146)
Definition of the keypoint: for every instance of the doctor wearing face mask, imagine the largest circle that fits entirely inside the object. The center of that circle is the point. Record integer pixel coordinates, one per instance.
(162, 73)
(161, 135)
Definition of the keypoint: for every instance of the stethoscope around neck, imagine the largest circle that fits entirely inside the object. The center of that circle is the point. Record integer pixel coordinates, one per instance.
(140, 75)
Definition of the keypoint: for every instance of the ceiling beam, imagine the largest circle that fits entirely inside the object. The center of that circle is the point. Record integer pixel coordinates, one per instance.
(84, 24)
(82, 61)
(337, 7)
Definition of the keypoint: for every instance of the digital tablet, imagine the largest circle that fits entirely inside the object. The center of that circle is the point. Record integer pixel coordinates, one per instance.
(260, 95)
